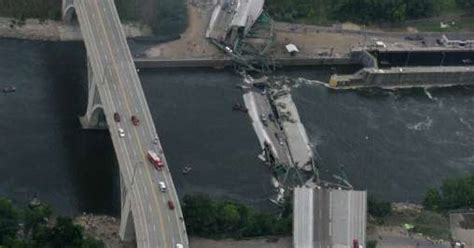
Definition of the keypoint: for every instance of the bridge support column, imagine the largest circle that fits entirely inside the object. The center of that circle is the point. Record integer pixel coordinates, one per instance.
(94, 118)
(127, 228)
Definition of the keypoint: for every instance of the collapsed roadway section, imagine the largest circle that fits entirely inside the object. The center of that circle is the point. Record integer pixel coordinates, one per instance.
(282, 136)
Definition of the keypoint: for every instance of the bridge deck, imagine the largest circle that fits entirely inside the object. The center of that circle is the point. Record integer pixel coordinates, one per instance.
(120, 91)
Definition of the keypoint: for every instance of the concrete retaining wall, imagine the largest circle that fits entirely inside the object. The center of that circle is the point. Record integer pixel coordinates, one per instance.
(407, 77)
(226, 62)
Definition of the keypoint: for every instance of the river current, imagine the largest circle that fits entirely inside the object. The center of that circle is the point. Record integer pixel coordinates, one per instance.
(394, 144)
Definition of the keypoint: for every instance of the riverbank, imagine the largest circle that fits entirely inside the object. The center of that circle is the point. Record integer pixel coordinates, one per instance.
(325, 42)
(390, 234)
(410, 226)
(106, 229)
(34, 29)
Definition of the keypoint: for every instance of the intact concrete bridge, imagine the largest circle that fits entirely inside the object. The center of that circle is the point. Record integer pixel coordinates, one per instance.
(114, 87)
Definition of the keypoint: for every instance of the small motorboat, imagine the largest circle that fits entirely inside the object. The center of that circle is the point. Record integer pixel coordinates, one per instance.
(9, 89)
(384, 62)
(239, 107)
(467, 61)
(186, 170)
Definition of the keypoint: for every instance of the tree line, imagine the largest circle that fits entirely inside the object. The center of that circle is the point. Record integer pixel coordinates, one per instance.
(30, 227)
(359, 11)
(454, 193)
(23, 9)
(210, 218)
(163, 16)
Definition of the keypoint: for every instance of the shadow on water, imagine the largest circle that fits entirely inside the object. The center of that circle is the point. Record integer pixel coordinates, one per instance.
(192, 110)
(89, 153)
(43, 149)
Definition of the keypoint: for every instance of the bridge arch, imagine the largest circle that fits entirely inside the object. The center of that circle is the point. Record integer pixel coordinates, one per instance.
(97, 116)
(70, 15)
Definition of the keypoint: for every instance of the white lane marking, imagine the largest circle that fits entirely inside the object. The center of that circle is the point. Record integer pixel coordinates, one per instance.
(127, 157)
(166, 179)
(144, 134)
(126, 99)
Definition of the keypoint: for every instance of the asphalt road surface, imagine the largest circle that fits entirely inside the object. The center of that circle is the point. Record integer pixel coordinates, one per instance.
(120, 90)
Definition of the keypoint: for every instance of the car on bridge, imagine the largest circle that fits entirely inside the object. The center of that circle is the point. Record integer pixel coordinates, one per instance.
(162, 187)
(121, 132)
(135, 120)
(170, 205)
(155, 160)
(116, 117)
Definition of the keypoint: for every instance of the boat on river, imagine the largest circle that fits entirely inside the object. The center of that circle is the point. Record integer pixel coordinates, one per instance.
(186, 170)
(9, 89)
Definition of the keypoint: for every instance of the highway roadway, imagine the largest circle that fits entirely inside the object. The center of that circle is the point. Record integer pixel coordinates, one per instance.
(258, 105)
(120, 90)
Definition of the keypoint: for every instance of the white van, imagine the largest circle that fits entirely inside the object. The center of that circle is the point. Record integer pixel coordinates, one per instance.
(162, 186)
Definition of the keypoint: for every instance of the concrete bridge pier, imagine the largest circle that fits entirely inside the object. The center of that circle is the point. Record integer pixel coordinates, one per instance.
(127, 228)
(94, 118)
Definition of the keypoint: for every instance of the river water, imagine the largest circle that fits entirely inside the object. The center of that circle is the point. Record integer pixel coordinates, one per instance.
(395, 144)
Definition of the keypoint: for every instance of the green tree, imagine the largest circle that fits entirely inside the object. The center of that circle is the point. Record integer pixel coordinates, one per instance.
(34, 217)
(465, 3)
(228, 217)
(9, 221)
(66, 234)
(455, 193)
(378, 208)
(199, 211)
(422, 8)
(371, 244)
(92, 243)
(432, 200)
(224, 219)
(360, 11)
(458, 193)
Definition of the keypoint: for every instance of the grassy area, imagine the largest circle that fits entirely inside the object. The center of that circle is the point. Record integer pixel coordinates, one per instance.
(433, 25)
(428, 223)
